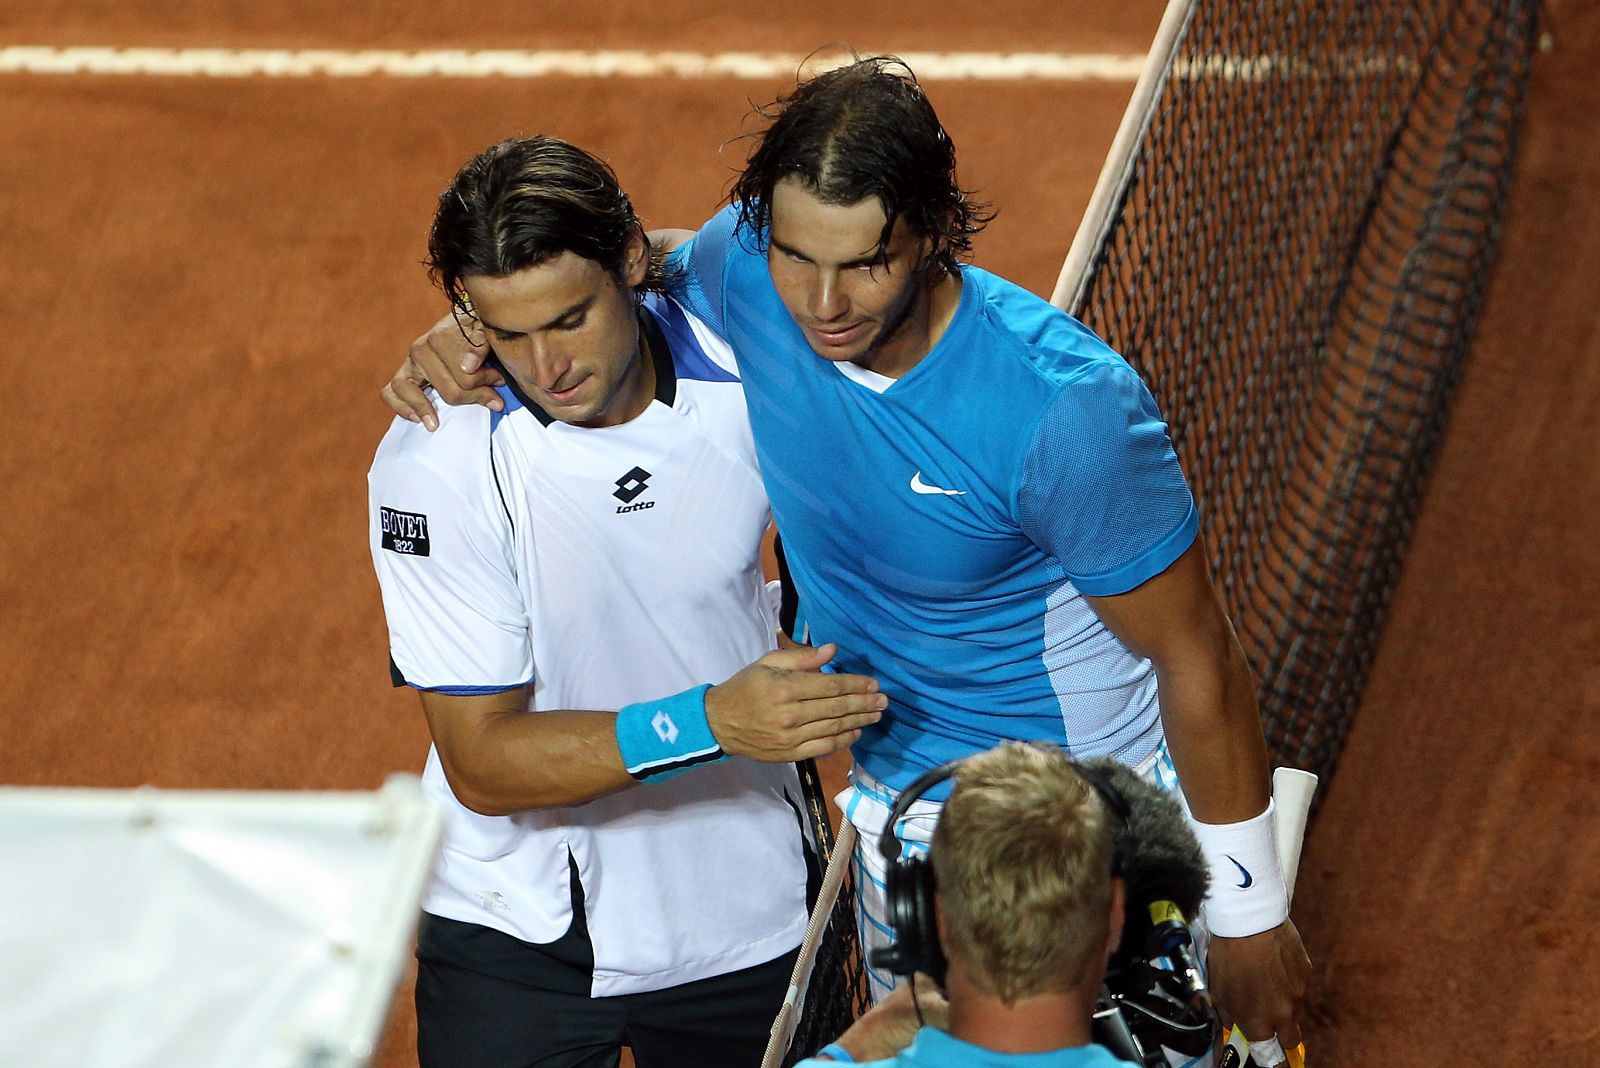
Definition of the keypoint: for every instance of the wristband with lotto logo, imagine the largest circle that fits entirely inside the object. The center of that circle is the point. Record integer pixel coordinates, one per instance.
(667, 737)
(1247, 895)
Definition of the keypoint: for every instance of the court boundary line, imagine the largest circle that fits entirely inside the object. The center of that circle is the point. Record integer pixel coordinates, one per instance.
(513, 63)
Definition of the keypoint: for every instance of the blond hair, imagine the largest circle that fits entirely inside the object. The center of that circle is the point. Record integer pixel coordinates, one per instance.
(1022, 855)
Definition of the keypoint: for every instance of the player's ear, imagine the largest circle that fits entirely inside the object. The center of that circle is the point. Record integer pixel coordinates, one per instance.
(928, 248)
(636, 260)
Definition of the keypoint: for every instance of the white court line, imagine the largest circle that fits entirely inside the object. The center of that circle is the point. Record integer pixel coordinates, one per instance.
(503, 63)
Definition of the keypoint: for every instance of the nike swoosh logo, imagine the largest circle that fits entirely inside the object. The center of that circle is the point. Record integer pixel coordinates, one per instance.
(1249, 880)
(919, 486)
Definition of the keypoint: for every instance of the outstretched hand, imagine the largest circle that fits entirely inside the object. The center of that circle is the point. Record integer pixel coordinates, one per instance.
(450, 358)
(783, 707)
(1259, 983)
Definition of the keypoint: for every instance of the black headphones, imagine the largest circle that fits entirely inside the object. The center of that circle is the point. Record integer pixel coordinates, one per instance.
(910, 883)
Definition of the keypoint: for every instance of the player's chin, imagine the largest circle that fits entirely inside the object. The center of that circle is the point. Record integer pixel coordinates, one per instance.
(586, 406)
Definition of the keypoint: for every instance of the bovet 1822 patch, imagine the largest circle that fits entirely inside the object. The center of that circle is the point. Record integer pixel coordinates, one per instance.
(404, 532)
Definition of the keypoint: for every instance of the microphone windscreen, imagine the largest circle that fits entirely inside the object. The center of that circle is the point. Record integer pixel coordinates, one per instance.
(1163, 859)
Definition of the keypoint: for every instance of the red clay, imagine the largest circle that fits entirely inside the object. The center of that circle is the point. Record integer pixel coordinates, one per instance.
(208, 281)
(1448, 882)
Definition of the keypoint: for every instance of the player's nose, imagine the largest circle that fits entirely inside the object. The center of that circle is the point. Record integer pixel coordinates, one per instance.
(826, 300)
(550, 365)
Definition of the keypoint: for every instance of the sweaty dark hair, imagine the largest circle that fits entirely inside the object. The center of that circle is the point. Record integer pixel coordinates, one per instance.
(527, 200)
(864, 130)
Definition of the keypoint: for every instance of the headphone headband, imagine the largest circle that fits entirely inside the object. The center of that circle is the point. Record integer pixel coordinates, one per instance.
(888, 841)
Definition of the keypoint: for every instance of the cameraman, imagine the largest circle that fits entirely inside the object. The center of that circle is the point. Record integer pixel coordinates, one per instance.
(1027, 912)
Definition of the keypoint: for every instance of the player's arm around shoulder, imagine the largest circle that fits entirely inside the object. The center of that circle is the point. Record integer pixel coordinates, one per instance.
(669, 239)
(449, 358)
(462, 438)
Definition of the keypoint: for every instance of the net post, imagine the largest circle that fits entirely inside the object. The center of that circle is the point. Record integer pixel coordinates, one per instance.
(1119, 161)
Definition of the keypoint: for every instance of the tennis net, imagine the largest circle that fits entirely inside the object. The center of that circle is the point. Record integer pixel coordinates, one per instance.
(1291, 242)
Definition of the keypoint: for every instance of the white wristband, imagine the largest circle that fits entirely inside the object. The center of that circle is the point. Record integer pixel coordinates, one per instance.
(1247, 892)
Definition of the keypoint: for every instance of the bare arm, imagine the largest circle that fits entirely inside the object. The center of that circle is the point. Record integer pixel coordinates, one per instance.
(1213, 729)
(1208, 704)
(500, 758)
(667, 240)
(891, 1025)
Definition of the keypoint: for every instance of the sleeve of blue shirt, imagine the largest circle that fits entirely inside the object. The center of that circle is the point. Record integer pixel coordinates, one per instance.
(1101, 489)
(701, 266)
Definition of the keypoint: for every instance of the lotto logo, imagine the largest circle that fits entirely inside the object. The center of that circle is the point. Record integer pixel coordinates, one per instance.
(631, 485)
(666, 730)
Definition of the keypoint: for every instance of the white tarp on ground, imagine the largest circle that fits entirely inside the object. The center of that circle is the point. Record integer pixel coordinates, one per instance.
(177, 929)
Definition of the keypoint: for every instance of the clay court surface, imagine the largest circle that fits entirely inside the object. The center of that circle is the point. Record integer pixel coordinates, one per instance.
(206, 281)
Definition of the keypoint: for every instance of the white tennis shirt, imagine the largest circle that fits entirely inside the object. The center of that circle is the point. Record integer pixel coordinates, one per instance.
(605, 566)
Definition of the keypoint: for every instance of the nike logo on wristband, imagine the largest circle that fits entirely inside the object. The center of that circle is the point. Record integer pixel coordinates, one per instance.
(1249, 880)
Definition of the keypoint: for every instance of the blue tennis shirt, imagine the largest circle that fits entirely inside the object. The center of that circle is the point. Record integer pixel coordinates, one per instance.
(944, 531)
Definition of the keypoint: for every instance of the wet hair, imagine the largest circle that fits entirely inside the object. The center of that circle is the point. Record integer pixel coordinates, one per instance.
(864, 130)
(527, 200)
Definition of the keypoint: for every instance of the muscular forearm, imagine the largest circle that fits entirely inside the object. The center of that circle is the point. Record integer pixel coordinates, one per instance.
(1213, 729)
(501, 759)
(510, 761)
(1208, 705)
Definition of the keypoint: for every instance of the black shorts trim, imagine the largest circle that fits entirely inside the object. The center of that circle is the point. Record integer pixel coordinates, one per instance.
(564, 966)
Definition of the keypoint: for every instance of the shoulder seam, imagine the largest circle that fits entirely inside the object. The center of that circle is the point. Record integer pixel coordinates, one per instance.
(494, 472)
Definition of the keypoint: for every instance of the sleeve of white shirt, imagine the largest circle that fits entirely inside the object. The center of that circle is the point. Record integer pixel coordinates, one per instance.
(442, 546)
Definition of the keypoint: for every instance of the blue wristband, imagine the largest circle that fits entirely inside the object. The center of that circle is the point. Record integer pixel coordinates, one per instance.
(666, 737)
(837, 1052)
